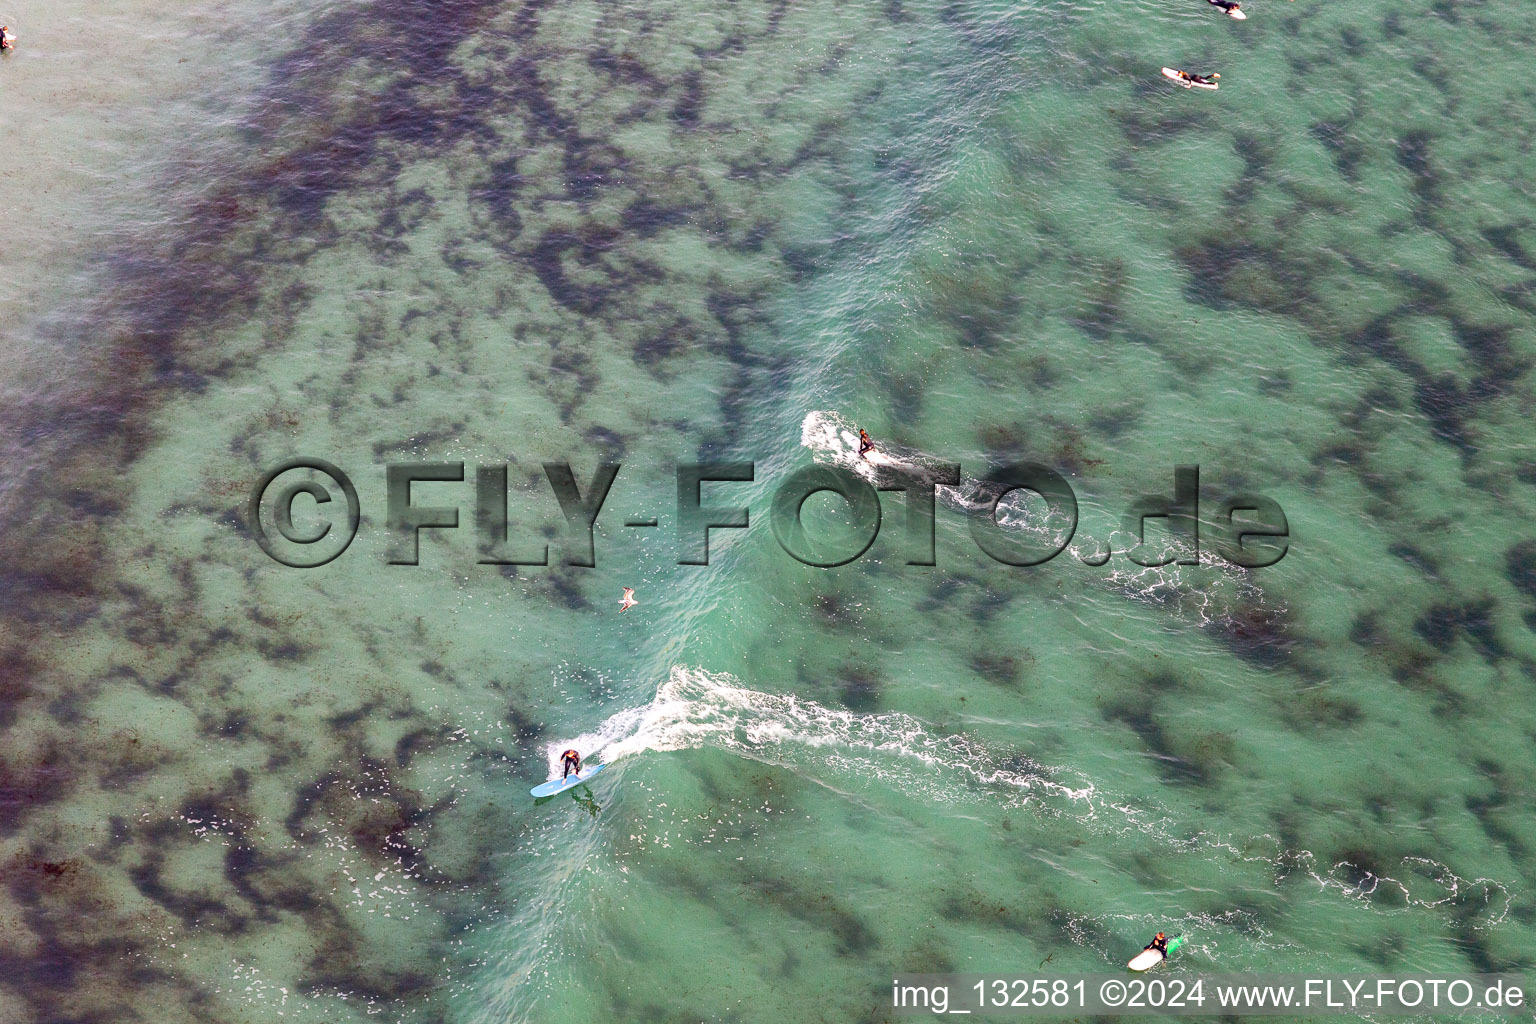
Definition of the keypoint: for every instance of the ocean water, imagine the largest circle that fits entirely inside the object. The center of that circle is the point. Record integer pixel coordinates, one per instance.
(506, 234)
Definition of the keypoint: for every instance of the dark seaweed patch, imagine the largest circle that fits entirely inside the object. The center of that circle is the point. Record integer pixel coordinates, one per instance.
(989, 602)
(567, 589)
(645, 217)
(973, 907)
(860, 688)
(1440, 623)
(659, 345)
(626, 69)
(1446, 10)
(195, 910)
(1437, 627)
(27, 783)
(1520, 567)
(1350, 452)
(1416, 557)
(1145, 724)
(1000, 669)
(1377, 339)
(51, 967)
(416, 741)
(1099, 313)
(500, 196)
(1507, 241)
(1489, 346)
(588, 248)
(941, 591)
(1367, 631)
(1488, 809)
(1477, 623)
(607, 442)
(1003, 443)
(1443, 402)
(286, 650)
(1317, 708)
(1257, 634)
(686, 111)
(1115, 421)
(16, 670)
(524, 727)
(1224, 273)
(590, 167)
(853, 937)
(1413, 153)
(1149, 129)
(1344, 148)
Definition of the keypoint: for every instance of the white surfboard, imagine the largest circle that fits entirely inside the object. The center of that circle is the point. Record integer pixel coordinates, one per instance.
(1150, 958)
(1174, 76)
(1237, 14)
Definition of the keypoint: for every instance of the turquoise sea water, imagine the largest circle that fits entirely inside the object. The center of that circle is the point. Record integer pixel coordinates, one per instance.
(512, 233)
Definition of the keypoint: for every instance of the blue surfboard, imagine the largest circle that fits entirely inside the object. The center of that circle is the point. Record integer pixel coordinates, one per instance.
(554, 786)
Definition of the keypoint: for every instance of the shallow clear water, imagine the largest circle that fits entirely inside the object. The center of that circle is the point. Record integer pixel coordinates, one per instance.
(506, 234)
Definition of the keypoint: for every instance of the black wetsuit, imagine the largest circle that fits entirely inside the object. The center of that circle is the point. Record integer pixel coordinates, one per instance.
(1225, 5)
(572, 762)
(865, 444)
(1161, 945)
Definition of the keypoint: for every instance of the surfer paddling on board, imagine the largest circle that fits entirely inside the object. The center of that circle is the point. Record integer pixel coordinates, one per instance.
(1199, 79)
(866, 445)
(572, 762)
(1232, 7)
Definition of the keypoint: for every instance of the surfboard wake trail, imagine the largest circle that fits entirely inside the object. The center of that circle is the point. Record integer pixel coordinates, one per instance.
(1210, 594)
(695, 709)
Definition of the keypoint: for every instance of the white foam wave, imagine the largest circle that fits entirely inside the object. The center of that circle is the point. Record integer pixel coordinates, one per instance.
(1207, 598)
(694, 709)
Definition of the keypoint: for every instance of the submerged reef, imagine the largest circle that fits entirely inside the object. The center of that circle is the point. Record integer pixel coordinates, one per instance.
(459, 224)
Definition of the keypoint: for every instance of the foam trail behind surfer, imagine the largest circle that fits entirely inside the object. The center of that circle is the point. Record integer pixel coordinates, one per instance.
(694, 708)
(1205, 593)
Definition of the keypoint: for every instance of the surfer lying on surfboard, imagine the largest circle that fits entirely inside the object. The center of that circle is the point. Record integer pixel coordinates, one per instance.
(1156, 951)
(1232, 7)
(865, 444)
(1190, 81)
(572, 762)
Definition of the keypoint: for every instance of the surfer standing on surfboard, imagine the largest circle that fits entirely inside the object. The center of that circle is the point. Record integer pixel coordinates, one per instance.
(572, 762)
(865, 444)
(7, 38)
